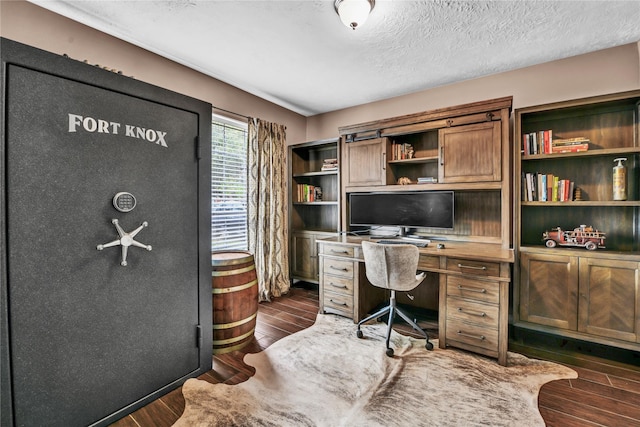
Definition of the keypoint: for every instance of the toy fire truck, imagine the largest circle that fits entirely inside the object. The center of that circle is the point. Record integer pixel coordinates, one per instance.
(583, 236)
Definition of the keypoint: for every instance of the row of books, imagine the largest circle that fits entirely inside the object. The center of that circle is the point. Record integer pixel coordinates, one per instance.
(541, 187)
(308, 193)
(330, 165)
(402, 151)
(543, 142)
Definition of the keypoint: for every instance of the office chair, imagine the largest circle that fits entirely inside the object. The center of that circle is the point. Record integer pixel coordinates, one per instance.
(392, 267)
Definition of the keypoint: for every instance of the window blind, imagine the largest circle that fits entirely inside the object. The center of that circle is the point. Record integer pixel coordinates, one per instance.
(228, 185)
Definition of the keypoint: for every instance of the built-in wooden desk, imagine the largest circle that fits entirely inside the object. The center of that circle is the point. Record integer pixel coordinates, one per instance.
(473, 290)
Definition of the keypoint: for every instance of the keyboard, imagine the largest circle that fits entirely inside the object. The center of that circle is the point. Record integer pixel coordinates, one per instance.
(403, 242)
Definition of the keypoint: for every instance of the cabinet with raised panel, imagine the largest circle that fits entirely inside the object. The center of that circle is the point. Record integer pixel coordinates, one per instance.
(458, 154)
(470, 153)
(365, 162)
(582, 295)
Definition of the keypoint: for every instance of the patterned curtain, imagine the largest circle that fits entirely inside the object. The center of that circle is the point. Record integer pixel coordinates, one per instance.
(267, 207)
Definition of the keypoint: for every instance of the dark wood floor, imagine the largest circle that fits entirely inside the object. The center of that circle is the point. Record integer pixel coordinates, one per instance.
(605, 394)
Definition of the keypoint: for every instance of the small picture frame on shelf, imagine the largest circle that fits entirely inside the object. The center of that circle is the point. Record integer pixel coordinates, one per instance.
(317, 194)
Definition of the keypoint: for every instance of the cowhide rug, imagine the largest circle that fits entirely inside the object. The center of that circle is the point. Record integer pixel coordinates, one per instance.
(326, 376)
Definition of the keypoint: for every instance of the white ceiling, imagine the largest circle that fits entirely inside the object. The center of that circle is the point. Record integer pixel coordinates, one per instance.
(298, 54)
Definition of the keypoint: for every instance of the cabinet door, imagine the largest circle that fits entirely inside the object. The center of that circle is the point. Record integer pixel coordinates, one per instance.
(609, 299)
(366, 162)
(548, 290)
(470, 153)
(304, 265)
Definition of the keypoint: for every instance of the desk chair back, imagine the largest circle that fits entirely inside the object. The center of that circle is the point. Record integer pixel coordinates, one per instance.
(392, 266)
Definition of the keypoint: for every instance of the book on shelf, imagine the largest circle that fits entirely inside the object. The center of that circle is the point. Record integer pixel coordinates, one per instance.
(401, 151)
(543, 142)
(571, 141)
(540, 187)
(537, 142)
(330, 165)
(570, 148)
(308, 193)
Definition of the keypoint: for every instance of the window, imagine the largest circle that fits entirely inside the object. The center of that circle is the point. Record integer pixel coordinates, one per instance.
(228, 184)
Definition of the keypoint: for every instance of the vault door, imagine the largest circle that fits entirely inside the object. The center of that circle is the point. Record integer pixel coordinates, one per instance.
(88, 335)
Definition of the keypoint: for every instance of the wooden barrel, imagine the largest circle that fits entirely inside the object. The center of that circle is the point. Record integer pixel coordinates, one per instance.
(234, 289)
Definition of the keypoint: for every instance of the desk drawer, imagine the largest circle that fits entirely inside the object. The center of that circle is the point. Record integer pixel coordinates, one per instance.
(338, 303)
(338, 267)
(474, 335)
(477, 268)
(340, 285)
(479, 313)
(480, 290)
(428, 262)
(338, 250)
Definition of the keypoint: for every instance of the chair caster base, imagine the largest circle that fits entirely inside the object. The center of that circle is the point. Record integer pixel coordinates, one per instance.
(390, 352)
(359, 334)
(429, 345)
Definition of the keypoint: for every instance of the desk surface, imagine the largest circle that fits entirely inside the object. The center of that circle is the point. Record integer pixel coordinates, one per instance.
(465, 250)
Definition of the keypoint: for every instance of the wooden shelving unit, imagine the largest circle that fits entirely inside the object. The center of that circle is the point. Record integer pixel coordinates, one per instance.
(572, 292)
(312, 219)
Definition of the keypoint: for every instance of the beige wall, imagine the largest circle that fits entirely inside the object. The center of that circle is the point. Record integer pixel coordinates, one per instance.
(611, 70)
(607, 71)
(32, 25)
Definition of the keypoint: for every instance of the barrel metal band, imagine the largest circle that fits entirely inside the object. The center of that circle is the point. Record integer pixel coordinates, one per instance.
(223, 350)
(234, 339)
(234, 324)
(233, 272)
(216, 291)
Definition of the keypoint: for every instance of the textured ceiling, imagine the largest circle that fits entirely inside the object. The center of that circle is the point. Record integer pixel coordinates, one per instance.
(299, 55)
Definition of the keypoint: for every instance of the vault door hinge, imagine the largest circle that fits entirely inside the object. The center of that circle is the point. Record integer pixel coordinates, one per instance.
(199, 336)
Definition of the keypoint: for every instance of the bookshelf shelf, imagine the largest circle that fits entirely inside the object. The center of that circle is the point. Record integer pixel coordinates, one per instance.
(568, 290)
(321, 203)
(416, 160)
(320, 173)
(573, 203)
(590, 153)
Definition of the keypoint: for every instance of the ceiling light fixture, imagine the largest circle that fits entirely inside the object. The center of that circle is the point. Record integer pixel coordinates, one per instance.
(353, 13)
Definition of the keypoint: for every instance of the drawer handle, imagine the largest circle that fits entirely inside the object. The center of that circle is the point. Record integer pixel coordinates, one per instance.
(473, 313)
(338, 286)
(333, 251)
(475, 337)
(339, 269)
(338, 303)
(472, 267)
(480, 291)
